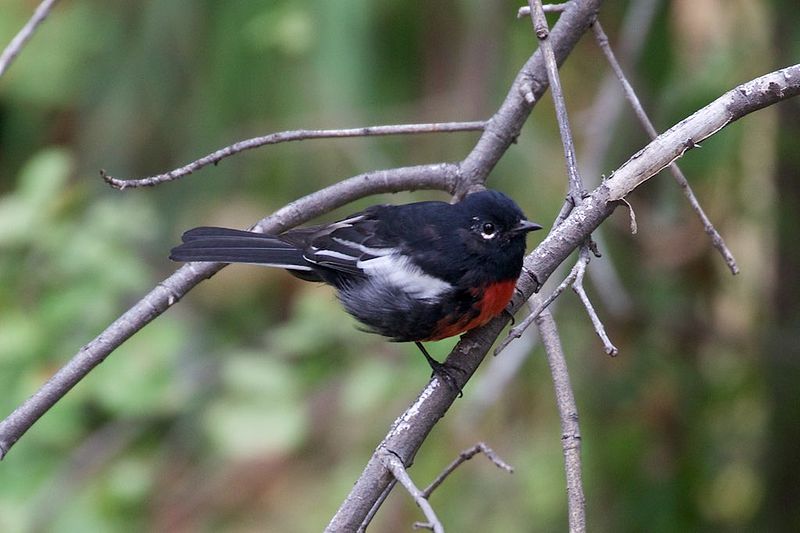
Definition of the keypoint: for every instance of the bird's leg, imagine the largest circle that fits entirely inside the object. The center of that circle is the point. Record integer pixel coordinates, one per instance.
(511, 317)
(435, 365)
(440, 370)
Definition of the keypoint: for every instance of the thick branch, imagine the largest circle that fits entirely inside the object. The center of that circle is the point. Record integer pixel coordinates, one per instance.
(690, 132)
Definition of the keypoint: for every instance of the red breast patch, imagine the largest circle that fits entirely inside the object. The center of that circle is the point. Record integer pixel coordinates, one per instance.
(490, 302)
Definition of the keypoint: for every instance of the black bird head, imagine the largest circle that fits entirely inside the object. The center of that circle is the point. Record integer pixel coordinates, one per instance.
(496, 230)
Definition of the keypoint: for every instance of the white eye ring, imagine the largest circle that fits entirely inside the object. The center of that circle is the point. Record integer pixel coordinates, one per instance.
(488, 230)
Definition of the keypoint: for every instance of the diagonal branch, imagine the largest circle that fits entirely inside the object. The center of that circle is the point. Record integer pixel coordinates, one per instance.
(23, 36)
(463, 457)
(702, 124)
(577, 286)
(393, 463)
(677, 174)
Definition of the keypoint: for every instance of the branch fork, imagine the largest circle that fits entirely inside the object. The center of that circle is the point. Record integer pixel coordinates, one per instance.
(584, 216)
(395, 465)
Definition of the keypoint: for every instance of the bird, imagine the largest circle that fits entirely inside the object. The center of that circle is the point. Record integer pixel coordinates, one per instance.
(415, 272)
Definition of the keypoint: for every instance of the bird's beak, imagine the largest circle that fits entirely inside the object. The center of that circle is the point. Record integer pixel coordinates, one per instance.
(524, 226)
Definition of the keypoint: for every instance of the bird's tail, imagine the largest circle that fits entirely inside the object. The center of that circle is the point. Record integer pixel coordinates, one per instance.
(236, 246)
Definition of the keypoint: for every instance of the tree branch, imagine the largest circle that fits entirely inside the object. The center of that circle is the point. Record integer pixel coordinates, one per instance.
(505, 125)
(288, 136)
(410, 428)
(716, 239)
(463, 457)
(577, 286)
(441, 176)
(393, 463)
(687, 134)
(15, 46)
(576, 189)
(568, 414)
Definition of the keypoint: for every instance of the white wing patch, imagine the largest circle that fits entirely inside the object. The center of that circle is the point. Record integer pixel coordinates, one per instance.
(402, 273)
(366, 249)
(334, 254)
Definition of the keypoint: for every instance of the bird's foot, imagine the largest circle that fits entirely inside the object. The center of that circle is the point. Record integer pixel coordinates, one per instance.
(443, 371)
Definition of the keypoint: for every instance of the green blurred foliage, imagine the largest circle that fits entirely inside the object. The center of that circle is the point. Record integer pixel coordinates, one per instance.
(255, 402)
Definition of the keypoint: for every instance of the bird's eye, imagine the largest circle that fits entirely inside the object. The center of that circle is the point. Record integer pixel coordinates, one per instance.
(488, 230)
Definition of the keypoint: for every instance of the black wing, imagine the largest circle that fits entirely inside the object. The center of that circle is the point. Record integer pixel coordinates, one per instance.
(344, 245)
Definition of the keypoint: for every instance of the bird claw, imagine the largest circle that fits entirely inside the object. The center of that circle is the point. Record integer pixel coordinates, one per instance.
(443, 371)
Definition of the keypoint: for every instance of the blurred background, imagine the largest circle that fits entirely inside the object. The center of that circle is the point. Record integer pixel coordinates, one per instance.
(254, 404)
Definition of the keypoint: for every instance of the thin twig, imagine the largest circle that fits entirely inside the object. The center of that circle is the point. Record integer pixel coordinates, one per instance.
(598, 126)
(493, 382)
(524, 11)
(577, 286)
(288, 136)
(575, 280)
(600, 122)
(716, 239)
(463, 457)
(15, 46)
(393, 463)
(378, 502)
(517, 331)
(576, 188)
(568, 414)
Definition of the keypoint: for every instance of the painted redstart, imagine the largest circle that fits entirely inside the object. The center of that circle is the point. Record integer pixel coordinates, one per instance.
(416, 272)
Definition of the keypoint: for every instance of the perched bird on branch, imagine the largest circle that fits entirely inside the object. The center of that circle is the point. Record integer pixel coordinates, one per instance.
(416, 272)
